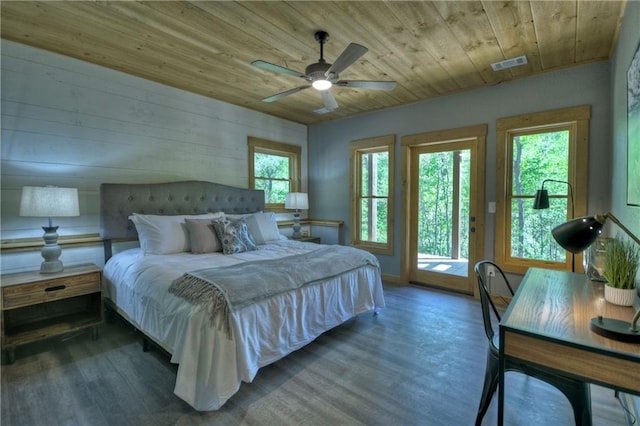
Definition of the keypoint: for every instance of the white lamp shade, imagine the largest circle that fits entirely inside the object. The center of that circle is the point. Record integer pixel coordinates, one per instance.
(49, 201)
(297, 201)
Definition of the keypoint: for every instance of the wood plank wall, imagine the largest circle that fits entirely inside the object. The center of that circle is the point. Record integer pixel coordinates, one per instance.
(70, 123)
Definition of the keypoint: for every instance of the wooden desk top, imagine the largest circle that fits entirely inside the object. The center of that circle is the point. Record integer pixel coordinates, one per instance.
(558, 306)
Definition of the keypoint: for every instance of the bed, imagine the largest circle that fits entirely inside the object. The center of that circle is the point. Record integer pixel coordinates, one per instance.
(262, 320)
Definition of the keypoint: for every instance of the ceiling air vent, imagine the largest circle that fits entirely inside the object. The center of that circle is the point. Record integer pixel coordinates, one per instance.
(509, 63)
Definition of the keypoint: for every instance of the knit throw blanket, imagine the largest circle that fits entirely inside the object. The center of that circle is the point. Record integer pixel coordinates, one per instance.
(219, 291)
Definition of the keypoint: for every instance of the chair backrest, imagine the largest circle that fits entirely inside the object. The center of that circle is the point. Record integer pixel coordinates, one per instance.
(481, 269)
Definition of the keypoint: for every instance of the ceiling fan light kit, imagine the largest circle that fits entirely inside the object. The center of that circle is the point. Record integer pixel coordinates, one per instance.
(322, 84)
(323, 75)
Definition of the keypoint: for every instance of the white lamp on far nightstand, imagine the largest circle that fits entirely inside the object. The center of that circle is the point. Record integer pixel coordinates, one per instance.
(296, 201)
(49, 201)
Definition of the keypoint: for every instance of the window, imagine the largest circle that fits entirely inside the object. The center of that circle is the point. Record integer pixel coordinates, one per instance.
(532, 148)
(275, 168)
(372, 194)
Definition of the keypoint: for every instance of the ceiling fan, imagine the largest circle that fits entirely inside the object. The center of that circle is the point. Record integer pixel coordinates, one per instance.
(322, 75)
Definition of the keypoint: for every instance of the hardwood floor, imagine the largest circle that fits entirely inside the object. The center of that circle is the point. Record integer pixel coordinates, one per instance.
(421, 361)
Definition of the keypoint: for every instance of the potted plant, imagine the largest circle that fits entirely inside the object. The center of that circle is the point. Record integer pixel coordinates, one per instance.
(622, 259)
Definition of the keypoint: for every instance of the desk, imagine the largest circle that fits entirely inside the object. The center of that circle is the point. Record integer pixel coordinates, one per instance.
(547, 324)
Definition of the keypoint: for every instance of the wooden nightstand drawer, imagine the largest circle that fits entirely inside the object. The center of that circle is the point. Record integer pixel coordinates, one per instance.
(308, 239)
(49, 290)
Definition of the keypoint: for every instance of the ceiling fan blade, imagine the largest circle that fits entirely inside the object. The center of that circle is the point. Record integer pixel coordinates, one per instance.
(277, 68)
(285, 93)
(322, 110)
(367, 84)
(329, 101)
(346, 58)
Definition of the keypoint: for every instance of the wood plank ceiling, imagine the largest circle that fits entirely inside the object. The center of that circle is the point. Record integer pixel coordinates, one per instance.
(431, 48)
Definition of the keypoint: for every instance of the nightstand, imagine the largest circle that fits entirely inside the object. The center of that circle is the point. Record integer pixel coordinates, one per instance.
(310, 239)
(36, 306)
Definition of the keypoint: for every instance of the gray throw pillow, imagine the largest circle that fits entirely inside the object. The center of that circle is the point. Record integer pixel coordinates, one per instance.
(202, 236)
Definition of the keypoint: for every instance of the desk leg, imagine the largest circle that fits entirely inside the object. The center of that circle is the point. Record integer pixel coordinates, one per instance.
(501, 372)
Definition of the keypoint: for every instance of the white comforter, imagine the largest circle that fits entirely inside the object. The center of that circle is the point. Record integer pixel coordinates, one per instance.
(212, 366)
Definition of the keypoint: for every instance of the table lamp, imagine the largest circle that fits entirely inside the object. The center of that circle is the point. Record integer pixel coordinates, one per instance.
(49, 201)
(576, 236)
(542, 202)
(296, 201)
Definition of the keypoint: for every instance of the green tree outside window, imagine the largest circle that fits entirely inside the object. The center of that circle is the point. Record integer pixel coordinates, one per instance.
(274, 167)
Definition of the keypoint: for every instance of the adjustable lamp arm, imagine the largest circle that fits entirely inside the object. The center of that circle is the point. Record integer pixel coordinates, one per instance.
(634, 322)
(603, 218)
(559, 181)
(545, 203)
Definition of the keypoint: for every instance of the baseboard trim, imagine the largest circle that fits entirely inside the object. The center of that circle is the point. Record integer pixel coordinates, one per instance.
(393, 279)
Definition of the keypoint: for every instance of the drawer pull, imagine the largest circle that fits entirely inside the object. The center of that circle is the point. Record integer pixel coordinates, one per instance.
(55, 288)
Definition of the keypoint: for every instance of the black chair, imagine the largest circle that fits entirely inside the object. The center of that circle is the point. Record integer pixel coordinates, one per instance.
(577, 392)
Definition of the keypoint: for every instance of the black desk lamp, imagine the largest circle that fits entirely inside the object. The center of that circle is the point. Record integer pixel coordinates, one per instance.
(542, 202)
(576, 236)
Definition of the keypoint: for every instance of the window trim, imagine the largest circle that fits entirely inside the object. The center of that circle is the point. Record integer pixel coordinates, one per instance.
(576, 119)
(367, 146)
(293, 152)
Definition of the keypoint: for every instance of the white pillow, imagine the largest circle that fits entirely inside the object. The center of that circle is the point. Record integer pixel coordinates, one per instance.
(263, 227)
(239, 216)
(165, 234)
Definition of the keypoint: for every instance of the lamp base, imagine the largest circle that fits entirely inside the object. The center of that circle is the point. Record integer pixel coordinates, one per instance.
(296, 226)
(51, 251)
(51, 267)
(615, 329)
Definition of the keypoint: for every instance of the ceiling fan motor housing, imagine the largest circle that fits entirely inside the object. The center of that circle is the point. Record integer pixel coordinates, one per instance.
(317, 72)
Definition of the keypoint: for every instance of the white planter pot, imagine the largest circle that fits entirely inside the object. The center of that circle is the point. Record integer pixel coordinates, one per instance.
(620, 296)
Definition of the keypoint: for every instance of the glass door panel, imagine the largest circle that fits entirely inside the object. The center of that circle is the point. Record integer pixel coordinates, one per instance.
(442, 220)
(443, 203)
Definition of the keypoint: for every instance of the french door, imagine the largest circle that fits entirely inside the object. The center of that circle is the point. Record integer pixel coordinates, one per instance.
(445, 220)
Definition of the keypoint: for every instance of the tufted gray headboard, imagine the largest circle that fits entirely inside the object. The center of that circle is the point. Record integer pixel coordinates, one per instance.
(118, 201)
